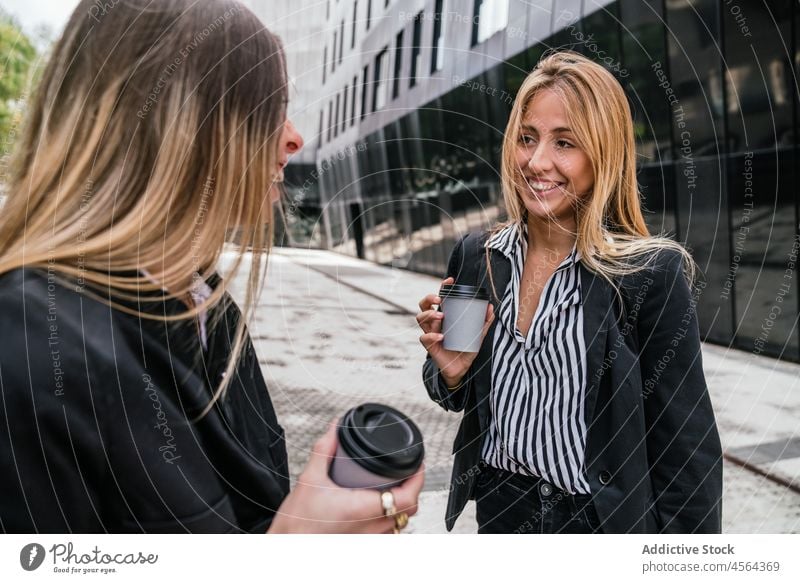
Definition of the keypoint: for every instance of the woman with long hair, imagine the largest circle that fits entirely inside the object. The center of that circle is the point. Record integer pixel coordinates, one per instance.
(132, 398)
(586, 408)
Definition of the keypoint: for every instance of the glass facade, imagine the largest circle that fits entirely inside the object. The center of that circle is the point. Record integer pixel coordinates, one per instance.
(713, 89)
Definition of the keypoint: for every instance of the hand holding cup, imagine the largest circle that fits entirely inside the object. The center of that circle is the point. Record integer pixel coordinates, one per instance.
(453, 364)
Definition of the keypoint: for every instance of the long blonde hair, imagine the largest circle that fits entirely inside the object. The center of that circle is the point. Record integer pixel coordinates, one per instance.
(152, 136)
(612, 236)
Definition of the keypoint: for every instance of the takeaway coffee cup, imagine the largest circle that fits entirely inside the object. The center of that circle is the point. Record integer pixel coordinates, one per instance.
(464, 308)
(379, 447)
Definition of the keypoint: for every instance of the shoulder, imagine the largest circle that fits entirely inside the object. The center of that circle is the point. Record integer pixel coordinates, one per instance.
(39, 292)
(464, 247)
(473, 243)
(41, 313)
(658, 265)
(661, 280)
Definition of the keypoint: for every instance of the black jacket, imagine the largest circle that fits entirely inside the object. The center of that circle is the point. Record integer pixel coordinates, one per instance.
(653, 455)
(94, 421)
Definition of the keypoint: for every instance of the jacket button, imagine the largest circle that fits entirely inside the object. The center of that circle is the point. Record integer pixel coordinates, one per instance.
(546, 490)
(605, 477)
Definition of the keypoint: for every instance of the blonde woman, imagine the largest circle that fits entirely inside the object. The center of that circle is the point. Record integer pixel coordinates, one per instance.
(586, 408)
(132, 399)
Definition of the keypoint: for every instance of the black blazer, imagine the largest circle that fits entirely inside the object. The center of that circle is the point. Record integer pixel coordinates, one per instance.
(95, 431)
(653, 455)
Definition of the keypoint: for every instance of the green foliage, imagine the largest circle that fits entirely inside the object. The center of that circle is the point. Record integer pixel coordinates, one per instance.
(17, 56)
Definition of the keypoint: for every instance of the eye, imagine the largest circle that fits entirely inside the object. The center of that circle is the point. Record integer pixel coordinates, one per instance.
(527, 139)
(563, 144)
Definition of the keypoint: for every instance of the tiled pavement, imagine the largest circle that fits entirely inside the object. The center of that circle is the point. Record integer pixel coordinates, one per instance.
(333, 332)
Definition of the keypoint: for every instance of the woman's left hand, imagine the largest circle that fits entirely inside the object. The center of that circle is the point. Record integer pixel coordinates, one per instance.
(318, 505)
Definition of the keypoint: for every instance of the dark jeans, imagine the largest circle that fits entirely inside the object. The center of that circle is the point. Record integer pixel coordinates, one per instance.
(510, 503)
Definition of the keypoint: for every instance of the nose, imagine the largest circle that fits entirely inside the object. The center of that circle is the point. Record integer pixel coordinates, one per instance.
(292, 140)
(541, 160)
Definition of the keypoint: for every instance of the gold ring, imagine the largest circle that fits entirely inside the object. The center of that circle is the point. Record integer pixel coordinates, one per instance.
(400, 521)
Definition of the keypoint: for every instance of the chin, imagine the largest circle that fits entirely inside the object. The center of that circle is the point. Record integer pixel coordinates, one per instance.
(547, 209)
(274, 194)
(545, 212)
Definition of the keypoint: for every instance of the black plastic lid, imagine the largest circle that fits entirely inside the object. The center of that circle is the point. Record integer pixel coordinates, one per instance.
(382, 440)
(468, 292)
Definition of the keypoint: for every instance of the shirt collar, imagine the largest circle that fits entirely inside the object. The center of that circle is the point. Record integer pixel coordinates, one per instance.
(513, 239)
(508, 239)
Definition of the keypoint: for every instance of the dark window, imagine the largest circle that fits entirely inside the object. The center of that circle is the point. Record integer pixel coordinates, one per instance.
(355, 20)
(330, 119)
(324, 63)
(759, 82)
(396, 165)
(643, 45)
(398, 64)
(319, 132)
(369, 13)
(476, 19)
(344, 107)
(336, 118)
(333, 60)
(364, 89)
(416, 50)
(697, 114)
(762, 179)
(380, 80)
(353, 102)
(491, 16)
(438, 41)
(341, 41)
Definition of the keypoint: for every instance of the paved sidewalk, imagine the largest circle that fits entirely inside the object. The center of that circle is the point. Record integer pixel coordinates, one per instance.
(333, 331)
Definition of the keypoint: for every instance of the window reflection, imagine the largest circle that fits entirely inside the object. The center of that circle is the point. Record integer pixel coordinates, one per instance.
(712, 91)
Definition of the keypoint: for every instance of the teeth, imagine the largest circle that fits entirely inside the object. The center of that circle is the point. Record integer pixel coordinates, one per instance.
(543, 185)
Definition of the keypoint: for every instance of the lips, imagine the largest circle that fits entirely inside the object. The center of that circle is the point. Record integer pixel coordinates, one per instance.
(279, 174)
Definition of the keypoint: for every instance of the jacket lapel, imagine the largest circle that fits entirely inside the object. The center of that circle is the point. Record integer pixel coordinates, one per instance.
(596, 294)
(500, 276)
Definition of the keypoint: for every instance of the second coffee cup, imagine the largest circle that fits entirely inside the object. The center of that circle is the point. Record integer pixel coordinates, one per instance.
(464, 308)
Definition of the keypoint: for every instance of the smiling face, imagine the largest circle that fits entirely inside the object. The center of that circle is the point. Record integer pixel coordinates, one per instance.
(553, 172)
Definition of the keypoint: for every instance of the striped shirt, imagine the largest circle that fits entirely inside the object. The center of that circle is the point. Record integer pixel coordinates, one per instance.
(538, 382)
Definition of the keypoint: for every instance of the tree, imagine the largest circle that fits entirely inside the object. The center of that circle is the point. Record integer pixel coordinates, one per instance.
(17, 56)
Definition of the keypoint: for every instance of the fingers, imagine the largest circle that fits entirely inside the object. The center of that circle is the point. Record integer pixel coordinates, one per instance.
(323, 451)
(430, 339)
(406, 496)
(406, 499)
(488, 322)
(428, 301)
(430, 321)
(490, 313)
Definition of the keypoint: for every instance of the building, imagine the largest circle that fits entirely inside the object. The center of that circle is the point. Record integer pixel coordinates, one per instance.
(301, 26)
(415, 95)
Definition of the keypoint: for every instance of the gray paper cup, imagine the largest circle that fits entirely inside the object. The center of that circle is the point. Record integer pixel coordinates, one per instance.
(464, 308)
(379, 448)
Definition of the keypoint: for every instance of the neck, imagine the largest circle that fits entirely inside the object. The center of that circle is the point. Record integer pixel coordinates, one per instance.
(551, 236)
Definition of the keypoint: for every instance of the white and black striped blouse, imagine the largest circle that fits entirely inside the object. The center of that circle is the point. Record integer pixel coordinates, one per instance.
(538, 383)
